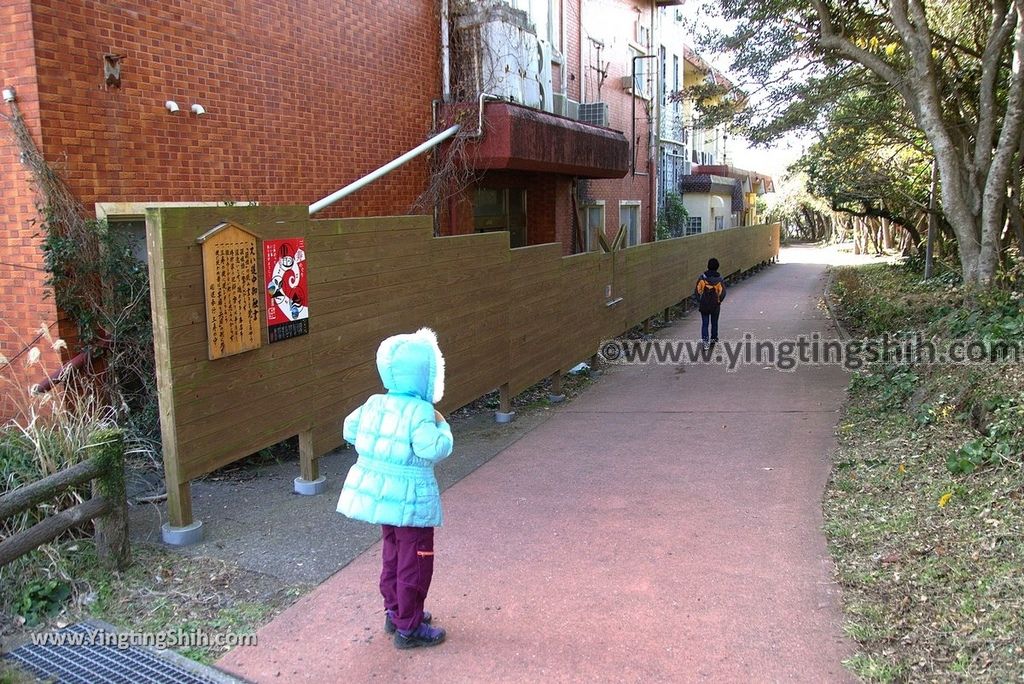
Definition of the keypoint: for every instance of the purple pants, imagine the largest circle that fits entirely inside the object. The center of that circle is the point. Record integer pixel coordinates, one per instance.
(407, 569)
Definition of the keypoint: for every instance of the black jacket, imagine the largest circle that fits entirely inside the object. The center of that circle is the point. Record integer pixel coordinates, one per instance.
(709, 279)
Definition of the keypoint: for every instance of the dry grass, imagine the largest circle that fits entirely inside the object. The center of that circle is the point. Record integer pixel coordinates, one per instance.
(164, 592)
(930, 561)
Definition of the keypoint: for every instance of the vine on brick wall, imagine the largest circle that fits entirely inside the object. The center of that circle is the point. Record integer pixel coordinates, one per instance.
(451, 171)
(99, 285)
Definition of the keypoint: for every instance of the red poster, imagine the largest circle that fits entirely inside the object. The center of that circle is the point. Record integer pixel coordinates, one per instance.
(284, 267)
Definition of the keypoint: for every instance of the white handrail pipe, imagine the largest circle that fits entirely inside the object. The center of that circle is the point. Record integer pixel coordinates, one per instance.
(383, 171)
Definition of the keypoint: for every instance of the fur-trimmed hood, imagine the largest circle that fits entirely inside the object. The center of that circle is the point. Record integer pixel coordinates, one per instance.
(412, 364)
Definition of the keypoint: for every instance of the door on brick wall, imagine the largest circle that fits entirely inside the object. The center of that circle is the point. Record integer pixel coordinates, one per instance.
(501, 209)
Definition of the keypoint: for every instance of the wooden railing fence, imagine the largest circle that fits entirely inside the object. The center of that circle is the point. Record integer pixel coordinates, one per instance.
(108, 507)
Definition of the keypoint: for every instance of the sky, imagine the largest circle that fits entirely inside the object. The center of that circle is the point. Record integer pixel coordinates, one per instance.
(772, 160)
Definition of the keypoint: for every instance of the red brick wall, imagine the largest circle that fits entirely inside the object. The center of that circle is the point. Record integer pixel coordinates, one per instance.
(302, 97)
(26, 305)
(572, 47)
(614, 21)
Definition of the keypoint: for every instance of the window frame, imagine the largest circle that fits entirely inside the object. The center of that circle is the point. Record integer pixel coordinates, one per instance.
(590, 242)
(632, 205)
(506, 204)
(641, 80)
(133, 211)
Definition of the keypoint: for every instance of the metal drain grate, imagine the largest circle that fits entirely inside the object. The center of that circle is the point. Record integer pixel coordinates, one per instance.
(83, 664)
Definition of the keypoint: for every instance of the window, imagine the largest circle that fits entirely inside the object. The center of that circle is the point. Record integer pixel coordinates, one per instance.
(694, 225)
(497, 209)
(643, 34)
(664, 76)
(675, 84)
(593, 224)
(640, 75)
(135, 228)
(719, 223)
(131, 217)
(629, 216)
(543, 16)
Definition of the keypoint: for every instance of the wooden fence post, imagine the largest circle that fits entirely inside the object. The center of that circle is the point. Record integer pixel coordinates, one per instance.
(504, 414)
(309, 482)
(108, 508)
(112, 543)
(555, 395)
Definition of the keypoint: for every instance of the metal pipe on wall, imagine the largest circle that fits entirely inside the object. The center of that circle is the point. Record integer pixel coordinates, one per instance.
(632, 132)
(384, 170)
(654, 130)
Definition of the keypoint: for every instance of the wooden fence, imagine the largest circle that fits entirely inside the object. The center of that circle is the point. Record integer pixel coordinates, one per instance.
(107, 507)
(505, 318)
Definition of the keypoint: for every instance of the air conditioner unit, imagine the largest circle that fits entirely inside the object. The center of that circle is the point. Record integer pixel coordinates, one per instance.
(628, 84)
(572, 109)
(566, 107)
(559, 104)
(595, 113)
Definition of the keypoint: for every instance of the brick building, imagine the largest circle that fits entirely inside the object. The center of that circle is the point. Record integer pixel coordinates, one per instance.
(298, 98)
(566, 150)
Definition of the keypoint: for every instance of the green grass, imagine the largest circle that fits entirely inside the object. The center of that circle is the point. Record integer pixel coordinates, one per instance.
(163, 593)
(930, 560)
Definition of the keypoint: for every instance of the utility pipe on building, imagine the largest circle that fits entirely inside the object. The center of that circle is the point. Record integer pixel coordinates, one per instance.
(632, 139)
(383, 171)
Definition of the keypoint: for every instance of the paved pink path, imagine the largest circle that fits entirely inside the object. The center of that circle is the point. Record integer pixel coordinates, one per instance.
(665, 526)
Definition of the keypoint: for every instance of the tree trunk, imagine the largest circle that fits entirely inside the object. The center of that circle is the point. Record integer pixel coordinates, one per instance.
(886, 234)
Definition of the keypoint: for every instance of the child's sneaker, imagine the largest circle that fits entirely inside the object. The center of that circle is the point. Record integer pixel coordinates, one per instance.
(707, 345)
(424, 635)
(389, 626)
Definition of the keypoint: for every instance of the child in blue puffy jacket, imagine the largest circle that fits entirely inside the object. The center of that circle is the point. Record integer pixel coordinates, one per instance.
(399, 436)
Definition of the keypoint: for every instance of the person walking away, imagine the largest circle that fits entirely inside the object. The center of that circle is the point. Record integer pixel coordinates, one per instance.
(709, 293)
(399, 437)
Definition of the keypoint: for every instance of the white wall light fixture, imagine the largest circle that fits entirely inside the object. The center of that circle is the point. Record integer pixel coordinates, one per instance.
(9, 95)
(172, 106)
(198, 109)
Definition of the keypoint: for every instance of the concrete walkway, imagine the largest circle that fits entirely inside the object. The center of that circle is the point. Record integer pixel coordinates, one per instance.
(664, 526)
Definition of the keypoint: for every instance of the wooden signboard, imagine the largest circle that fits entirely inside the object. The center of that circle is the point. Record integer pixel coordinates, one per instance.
(231, 280)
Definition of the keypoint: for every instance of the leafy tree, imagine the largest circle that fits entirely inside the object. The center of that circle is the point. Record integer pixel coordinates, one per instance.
(956, 69)
(870, 164)
(672, 217)
(803, 216)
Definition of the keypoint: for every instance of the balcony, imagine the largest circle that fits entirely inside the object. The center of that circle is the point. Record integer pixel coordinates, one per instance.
(525, 139)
